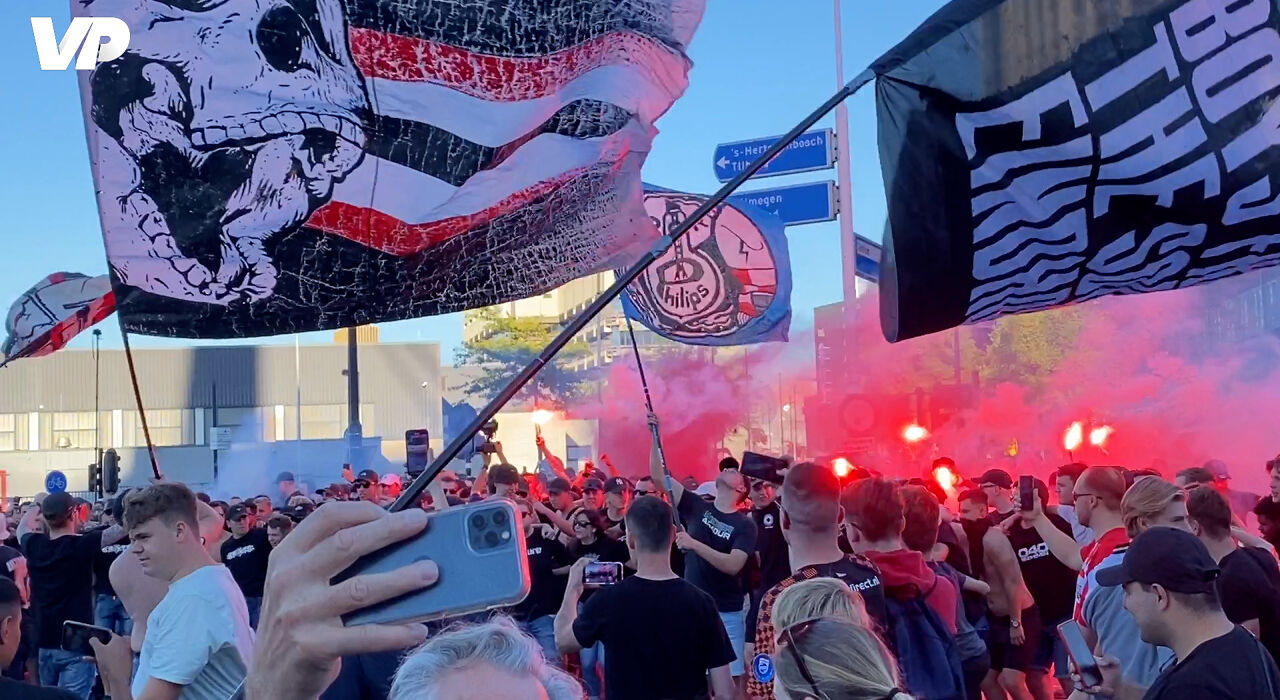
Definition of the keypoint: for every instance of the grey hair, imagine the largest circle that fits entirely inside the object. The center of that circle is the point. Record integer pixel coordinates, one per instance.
(498, 642)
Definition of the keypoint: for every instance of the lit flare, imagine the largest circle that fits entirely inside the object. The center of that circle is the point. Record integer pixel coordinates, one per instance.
(1074, 437)
(914, 433)
(541, 416)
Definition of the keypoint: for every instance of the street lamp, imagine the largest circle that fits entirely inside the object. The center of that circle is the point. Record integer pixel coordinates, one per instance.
(97, 409)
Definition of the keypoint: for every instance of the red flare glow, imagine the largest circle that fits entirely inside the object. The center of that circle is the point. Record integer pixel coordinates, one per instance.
(841, 467)
(1074, 437)
(914, 433)
(1098, 436)
(541, 416)
(947, 479)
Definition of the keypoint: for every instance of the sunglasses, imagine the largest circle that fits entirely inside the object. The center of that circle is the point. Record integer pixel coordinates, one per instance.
(361, 484)
(641, 492)
(582, 523)
(790, 636)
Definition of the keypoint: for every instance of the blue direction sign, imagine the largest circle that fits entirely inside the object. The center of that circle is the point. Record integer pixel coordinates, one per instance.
(814, 150)
(867, 264)
(795, 204)
(55, 482)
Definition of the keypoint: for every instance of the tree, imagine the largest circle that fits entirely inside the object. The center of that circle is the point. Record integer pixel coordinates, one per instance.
(1027, 348)
(509, 345)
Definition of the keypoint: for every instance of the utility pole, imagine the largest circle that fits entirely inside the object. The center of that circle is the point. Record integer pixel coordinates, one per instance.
(97, 406)
(355, 437)
(844, 184)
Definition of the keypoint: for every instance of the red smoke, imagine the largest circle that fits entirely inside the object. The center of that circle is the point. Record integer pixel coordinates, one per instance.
(1145, 366)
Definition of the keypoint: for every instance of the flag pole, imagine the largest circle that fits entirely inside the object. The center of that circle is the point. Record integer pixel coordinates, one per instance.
(412, 493)
(653, 428)
(137, 396)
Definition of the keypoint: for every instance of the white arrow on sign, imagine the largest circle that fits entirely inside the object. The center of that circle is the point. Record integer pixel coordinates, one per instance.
(723, 162)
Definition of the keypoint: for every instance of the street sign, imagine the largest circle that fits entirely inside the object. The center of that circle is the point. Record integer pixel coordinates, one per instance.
(55, 482)
(219, 438)
(868, 261)
(814, 150)
(809, 203)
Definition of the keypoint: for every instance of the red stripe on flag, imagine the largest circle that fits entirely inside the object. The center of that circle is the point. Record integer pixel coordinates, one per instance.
(381, 231)
(500, 78)
(63, 331)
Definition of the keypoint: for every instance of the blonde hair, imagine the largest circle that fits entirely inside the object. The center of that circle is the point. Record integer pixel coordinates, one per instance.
(818, 597)
(847, 661)
(1147, 498)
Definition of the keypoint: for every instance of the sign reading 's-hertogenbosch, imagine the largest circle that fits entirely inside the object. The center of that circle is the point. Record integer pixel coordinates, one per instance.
(814, 150)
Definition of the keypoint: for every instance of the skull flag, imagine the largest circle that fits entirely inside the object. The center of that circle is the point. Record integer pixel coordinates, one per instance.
(1044, 152)
(47, 316)
(726, 282)
(275, 166)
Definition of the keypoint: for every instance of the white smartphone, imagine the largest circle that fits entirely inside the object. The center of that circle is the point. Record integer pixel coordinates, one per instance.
(480, 550)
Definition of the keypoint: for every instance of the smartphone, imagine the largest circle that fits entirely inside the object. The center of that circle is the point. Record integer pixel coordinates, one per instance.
(1080, 653)
(1026, 493)
(76, 636)
(417, 447)
(480, 550)
(602, 573)
(763, 467)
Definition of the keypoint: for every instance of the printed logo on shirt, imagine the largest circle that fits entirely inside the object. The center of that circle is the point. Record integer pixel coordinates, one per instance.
(717, 528)
(534, 551)
(115, 549)
(12, 564)
(1035, 551)
(762, 668)
(860, 586)
(239, 552)
(767, 520)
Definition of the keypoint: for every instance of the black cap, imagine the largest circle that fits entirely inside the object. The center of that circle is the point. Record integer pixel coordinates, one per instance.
(368, 475)
(57, 505)
(998, 477)
(1175, 559)
(504, 474)
(237, 511)
(299, 511)
(617, 485)
(559, 485)
(284, 476)
(592, 485)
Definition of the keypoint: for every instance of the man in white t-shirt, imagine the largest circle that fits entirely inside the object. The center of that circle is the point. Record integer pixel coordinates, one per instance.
(198, 642)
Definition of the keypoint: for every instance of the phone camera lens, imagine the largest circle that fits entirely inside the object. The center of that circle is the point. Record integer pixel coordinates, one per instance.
(491, 538)
(499, 517)
(477, 521)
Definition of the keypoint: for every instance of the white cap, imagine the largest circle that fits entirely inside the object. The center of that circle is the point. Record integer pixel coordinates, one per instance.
(390, 479)
(707, 488)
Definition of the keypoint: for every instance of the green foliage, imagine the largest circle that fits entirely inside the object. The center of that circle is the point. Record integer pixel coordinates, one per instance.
(513, 343)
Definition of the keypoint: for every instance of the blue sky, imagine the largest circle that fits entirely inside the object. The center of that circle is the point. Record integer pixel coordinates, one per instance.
(759, 67)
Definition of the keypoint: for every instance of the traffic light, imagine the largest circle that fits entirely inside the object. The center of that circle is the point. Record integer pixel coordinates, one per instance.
(110, 471)
(95, 480)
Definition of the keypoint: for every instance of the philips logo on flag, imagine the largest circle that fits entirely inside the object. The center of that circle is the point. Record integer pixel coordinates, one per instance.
(85, 36)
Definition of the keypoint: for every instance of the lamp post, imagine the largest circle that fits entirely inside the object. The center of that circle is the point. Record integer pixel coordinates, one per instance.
(97, 409)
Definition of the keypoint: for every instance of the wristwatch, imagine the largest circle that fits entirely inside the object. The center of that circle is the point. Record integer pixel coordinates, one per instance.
(1015, 623)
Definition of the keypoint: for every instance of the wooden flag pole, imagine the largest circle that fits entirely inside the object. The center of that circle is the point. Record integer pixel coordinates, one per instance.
(412, 493)
(653, 428)
(142, 412)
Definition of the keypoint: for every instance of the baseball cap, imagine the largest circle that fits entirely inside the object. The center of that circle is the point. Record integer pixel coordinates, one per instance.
(998, 477)
(1175, 559)
(617, 485)
(237, 511)
(504, 474)
(558, 485)
(368, 475)
(284, 476)
(299, 511)
(592, 485)
(390, 480)
(707, 488)
(1218, 468)
(57, 504)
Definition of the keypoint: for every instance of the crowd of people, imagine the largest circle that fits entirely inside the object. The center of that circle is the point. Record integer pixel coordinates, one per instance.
(808, 584)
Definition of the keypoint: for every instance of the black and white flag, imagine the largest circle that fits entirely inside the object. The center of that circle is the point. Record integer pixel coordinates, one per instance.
(1044, 152)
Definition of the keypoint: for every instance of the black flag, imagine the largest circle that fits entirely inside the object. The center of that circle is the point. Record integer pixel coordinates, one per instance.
(1044, 152)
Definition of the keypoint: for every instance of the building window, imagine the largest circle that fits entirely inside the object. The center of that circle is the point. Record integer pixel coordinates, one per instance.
(8, 432)
(166, 426)
(323, 422)
(73, 430)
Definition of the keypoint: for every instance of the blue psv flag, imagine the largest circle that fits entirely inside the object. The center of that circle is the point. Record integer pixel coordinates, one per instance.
(726, 282)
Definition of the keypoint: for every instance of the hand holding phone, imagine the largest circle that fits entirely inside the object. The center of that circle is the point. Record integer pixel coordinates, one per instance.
(763, 467)
(1026, 493)
(1081, 655)
(76, 636)
(602, 573)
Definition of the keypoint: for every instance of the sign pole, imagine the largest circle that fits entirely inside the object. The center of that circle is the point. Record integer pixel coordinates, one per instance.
(848, 246)
(411, 494)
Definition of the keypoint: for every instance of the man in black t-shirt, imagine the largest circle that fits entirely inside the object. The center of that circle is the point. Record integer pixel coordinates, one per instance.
(661, 635)
(1169, 587)
(770, 562)
(13, 566)
(998, 487)
(1249, 585)
(245, 554)
(1052, 585)
(60, 565)
(549, 562)
(617, 492)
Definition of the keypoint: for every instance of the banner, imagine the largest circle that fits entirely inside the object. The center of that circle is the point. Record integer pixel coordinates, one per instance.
(47, 316)
(277, 167)
(725, 282)
(1044, 152)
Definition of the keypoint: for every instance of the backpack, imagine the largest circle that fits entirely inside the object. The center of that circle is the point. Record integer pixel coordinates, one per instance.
(926, 650)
